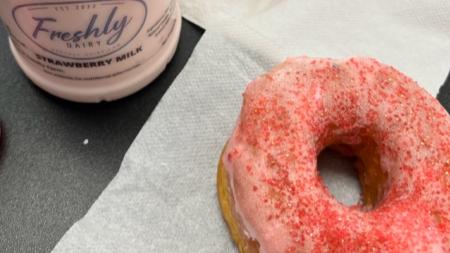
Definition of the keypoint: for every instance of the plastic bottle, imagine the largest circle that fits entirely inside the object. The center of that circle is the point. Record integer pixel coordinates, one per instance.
(90, 51)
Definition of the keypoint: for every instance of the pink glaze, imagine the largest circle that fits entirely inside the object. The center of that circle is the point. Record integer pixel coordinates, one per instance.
(284, 123)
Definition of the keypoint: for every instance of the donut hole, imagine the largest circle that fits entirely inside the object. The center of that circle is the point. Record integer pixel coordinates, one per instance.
(353, 174)
(339, 174)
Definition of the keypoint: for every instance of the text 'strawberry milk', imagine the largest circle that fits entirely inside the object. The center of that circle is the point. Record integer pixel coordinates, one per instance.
(89, 51)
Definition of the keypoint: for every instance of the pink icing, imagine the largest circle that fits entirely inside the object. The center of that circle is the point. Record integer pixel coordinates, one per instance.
(285, 119)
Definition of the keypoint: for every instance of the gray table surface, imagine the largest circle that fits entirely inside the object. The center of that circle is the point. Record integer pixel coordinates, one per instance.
(48, 178)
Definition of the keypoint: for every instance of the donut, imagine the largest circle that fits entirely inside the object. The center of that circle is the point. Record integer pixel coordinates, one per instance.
(271, 194)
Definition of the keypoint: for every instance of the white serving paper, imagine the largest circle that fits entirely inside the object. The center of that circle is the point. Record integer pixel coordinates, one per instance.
(413, 36)
(163, 199)
(208, 12)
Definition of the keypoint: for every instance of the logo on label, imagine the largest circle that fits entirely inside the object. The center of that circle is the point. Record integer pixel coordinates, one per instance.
(82, 30)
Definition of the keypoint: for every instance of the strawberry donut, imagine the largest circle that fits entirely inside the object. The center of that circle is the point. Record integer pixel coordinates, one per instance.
(269, 188)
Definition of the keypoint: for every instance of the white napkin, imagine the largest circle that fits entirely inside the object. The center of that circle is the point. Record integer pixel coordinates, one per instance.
(164, 197)
(413, 36)
(207, 12)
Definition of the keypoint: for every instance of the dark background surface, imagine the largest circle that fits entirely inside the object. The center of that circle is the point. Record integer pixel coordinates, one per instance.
(444, 94)
(48, 177)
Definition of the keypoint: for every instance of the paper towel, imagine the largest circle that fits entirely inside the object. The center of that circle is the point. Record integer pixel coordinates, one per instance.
(413, 36)
(164, 197)
(205, 13)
